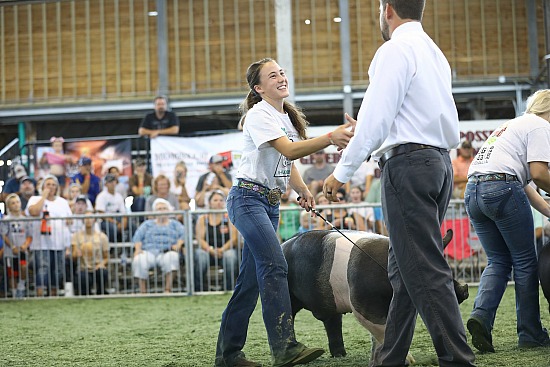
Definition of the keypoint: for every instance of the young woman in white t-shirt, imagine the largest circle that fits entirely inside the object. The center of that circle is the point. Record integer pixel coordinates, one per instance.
(274, 134)
(497, 199)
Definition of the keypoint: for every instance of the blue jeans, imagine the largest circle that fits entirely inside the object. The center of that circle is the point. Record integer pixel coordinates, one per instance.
(263, 272)
(111, 230)
(501, 215)
(48, 268)
(98, 278)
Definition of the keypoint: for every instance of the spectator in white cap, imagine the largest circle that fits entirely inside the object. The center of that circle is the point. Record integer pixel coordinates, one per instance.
(159, 242)
(12, 185)
(217, 178)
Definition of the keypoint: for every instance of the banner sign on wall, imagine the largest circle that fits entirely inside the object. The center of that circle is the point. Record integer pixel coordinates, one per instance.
(166, 151)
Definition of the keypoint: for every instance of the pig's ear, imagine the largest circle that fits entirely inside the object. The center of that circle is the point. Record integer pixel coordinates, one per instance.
(448, 237)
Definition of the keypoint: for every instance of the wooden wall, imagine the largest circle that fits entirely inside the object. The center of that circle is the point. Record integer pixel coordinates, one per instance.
(77, 50)
(90, 50)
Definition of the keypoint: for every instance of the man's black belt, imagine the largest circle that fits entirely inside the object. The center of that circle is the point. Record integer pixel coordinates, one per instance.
(403, 149)
(492, 177)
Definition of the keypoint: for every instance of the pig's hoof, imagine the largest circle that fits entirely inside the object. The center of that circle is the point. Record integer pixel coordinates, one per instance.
(338, 354)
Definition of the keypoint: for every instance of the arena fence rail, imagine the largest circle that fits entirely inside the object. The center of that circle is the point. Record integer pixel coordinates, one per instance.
(65, 261)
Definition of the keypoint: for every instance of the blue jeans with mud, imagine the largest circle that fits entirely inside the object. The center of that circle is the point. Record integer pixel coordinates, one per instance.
(501, 215)
(263, 273)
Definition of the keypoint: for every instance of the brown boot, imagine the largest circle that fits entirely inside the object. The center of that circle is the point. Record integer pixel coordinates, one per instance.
(238, 360)
(305, 356)
(241, 361)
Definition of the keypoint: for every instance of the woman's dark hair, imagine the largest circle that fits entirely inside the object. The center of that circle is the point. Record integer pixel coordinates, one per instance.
(214, 193)
(295, 114)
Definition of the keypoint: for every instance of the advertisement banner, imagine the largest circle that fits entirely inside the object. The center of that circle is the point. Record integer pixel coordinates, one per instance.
(103, 153)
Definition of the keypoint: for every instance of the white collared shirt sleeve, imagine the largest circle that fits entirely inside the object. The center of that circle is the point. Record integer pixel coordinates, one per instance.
(409, 100)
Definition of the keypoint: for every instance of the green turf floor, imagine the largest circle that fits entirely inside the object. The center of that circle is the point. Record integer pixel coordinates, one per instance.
(182, 331)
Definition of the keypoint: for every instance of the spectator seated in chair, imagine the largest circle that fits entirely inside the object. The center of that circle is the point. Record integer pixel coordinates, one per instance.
(217, 239)
(158, 242)
(90, 251)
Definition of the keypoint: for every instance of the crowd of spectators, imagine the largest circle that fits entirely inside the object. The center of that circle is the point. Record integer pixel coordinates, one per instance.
(77, 250)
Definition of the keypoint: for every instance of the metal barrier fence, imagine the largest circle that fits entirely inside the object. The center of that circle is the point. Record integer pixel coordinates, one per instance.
(64, 259)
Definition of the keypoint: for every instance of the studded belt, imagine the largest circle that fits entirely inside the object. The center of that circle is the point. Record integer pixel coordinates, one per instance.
(493, 177)
(273, 195)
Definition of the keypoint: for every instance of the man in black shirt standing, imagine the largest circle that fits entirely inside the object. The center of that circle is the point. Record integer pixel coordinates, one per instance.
(161, 121)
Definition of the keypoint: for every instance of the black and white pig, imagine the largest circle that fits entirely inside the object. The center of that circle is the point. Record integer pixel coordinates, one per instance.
(544, 271)
(329, 276)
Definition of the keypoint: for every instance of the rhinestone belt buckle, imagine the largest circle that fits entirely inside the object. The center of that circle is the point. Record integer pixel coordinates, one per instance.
(274, 196)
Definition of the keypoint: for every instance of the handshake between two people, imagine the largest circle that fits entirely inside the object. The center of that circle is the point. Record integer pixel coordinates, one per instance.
(331, 184)
(341, 136)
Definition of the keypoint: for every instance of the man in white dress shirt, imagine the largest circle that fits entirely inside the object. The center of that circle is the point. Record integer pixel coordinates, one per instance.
(408, 122)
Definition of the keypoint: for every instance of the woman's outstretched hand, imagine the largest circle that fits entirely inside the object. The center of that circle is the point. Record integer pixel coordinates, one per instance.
(343, 133)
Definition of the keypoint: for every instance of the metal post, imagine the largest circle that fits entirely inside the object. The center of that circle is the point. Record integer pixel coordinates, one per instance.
(189, 252)
(22, 134)
(345, 56)
(533, 38)
(547, 38)
(283, 25)
(22, 148)
(162, 41)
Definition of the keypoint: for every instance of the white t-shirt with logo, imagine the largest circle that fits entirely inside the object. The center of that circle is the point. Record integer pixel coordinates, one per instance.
(110, 203)
(260, 162)
(512, 146)
(16, 231)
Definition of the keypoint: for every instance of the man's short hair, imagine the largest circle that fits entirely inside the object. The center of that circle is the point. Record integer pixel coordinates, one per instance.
(160, 97)
(407, 9)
